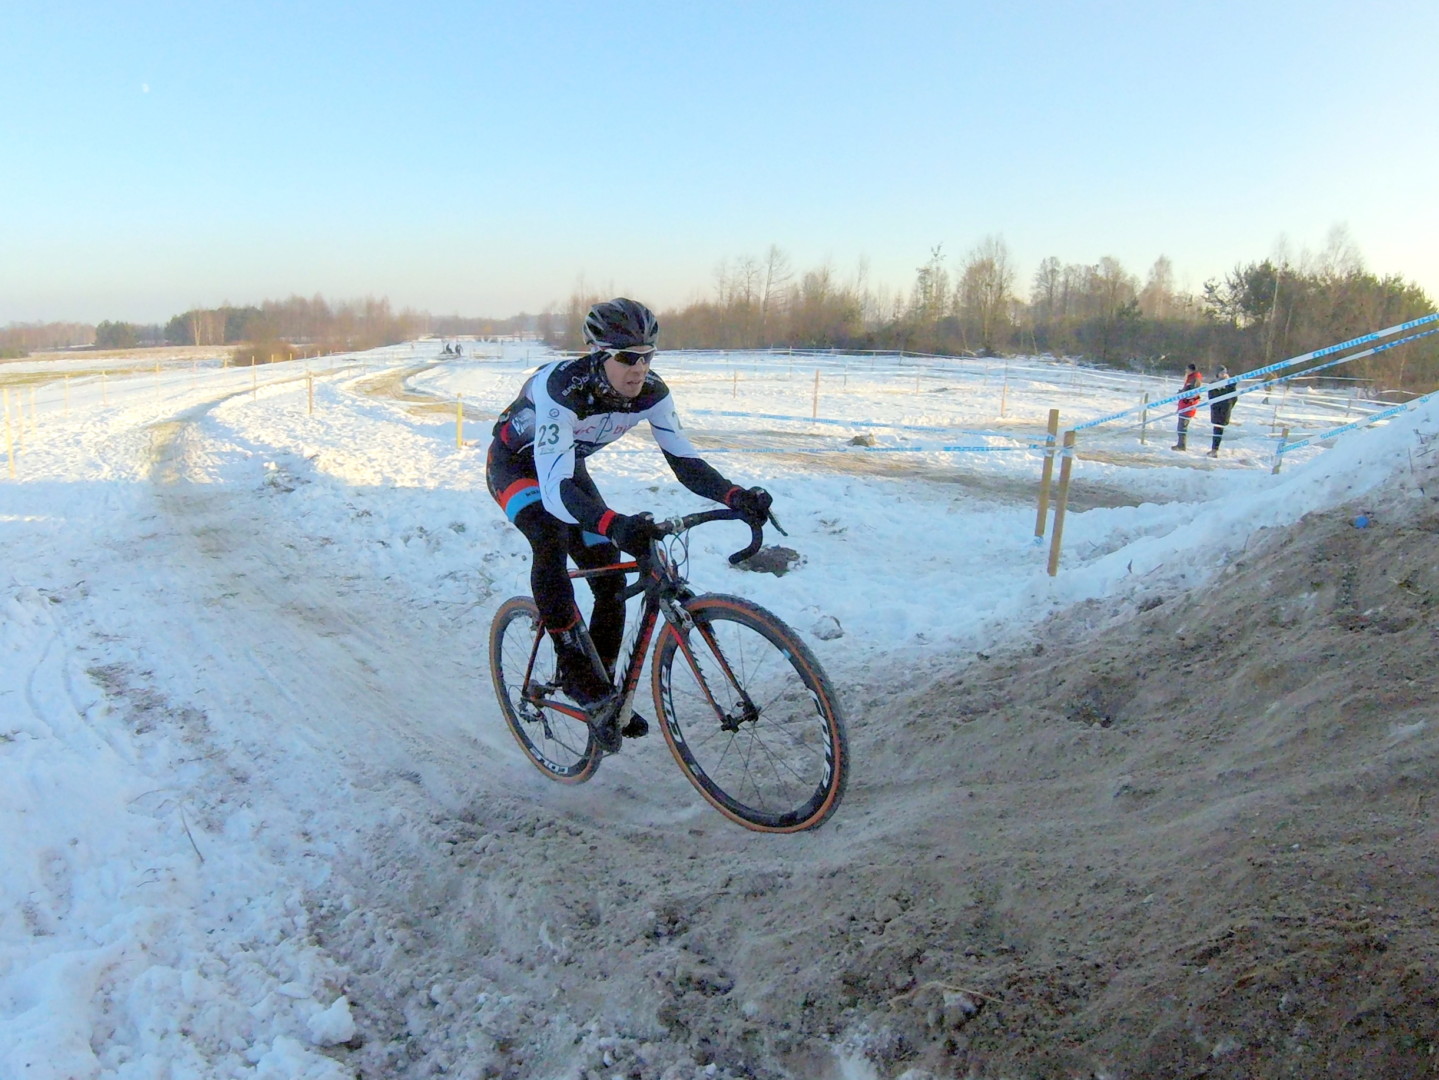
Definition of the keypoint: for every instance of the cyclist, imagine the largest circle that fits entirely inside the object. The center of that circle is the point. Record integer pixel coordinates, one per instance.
(536, 471)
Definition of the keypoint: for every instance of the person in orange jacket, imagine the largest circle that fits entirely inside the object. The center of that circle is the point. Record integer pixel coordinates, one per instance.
(1188, 404)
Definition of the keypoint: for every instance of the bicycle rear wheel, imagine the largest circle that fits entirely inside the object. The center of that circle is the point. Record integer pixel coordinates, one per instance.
(750, 717)
(560, 746)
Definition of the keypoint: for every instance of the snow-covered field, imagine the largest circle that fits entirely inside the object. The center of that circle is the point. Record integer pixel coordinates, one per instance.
(243, 636)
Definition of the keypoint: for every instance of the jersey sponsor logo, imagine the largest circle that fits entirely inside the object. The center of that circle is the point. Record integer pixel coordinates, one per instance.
(603, 428)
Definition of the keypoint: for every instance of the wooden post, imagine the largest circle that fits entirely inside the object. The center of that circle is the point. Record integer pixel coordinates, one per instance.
(254, 377)
(9, 436)
(735, 392)
(814, 414)
(1046, 474)
(459, 421)
(1061, 502)
(1279, 451)
(1004, 390)
(1144, 417)
(310, 390)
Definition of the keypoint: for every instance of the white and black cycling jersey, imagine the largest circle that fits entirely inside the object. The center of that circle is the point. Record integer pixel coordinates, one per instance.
(567, 410)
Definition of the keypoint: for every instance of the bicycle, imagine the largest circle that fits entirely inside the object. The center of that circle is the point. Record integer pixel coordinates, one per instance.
(745, 707)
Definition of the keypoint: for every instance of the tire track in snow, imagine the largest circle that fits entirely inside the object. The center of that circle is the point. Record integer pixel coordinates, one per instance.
(292, 657)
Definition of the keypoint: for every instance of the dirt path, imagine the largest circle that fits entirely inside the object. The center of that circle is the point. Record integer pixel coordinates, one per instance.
(1194, 839)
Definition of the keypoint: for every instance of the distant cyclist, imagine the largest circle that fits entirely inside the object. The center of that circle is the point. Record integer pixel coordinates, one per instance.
(536, 471)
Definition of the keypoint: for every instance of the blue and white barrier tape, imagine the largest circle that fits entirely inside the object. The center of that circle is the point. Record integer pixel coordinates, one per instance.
(738, 414)
(1372, 418)
(1282, 364)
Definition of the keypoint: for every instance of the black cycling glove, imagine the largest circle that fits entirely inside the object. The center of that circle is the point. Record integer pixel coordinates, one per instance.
(632, 532)
(753, 503)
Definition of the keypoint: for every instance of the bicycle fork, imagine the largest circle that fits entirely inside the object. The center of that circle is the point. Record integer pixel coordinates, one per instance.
(684, 624)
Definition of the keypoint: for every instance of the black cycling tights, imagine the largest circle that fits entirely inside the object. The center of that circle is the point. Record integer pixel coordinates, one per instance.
(551, 541)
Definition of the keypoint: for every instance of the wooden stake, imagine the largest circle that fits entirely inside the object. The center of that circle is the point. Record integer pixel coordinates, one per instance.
(310, 390)
(1046, 474)
(1279, 451)
(1061, 502)
(814, 414)
(459, 421)
(1144, 417)
(9, 436)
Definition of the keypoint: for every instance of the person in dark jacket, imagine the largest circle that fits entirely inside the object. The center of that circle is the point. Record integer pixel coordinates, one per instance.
(1187, 405)
(1220, 410)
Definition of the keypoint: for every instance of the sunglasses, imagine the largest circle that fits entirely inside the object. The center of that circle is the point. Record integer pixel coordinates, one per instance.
(631, 357)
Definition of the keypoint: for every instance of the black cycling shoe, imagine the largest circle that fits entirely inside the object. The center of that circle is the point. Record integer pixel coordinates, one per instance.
(637, 727)
(604, 725)
(575, 672)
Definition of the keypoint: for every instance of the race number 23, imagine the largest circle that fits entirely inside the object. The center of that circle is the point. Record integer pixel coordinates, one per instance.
(547, 435)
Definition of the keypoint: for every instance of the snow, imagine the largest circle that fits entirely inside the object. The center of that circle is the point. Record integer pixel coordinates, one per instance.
(242, 638)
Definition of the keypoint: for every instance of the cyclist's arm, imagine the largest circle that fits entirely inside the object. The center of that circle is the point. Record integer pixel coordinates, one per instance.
(689, 468)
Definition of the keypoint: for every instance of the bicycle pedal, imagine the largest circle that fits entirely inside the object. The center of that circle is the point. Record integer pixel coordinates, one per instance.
(604, 724)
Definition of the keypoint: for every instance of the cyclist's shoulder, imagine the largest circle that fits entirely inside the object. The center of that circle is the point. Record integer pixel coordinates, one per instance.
(565, 382)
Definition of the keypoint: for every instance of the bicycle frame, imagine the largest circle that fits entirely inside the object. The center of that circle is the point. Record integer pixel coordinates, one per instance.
(665, 591)
(744, 705)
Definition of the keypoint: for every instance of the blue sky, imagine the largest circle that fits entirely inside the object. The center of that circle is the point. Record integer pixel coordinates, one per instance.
(483, 158)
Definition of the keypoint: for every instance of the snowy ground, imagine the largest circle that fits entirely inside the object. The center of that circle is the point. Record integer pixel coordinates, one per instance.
(261, 815)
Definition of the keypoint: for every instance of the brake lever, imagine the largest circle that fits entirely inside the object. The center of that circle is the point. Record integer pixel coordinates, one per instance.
(775, 522)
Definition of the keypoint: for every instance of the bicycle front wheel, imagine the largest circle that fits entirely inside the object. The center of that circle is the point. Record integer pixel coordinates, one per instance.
(522, 658)
(750, 717)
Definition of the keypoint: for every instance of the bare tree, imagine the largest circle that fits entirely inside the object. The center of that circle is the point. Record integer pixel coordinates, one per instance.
(774, 291)
(986, 286)
(1340, 256)
(1156, 299)
(1044, 292)
(931, 297)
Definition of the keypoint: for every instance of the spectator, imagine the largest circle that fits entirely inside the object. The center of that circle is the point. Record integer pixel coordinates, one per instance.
(1188, 404)
(1219, 411)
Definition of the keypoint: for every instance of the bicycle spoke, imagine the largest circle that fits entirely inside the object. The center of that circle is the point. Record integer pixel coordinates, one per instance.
(745, 723)
(559, 745)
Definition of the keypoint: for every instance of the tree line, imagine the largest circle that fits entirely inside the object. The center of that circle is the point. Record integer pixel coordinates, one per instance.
(1101, 312)
(257, 331)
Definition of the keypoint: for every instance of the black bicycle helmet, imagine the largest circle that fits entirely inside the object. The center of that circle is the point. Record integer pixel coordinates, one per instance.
(620, 324)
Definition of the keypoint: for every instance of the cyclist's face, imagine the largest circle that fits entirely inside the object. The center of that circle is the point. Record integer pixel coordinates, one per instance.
(627, 379)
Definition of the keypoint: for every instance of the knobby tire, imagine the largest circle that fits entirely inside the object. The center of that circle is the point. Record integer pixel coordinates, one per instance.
(778, 766)
(559, 745)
